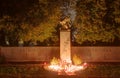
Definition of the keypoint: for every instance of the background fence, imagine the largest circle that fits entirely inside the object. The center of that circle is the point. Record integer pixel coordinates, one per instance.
(89, 54)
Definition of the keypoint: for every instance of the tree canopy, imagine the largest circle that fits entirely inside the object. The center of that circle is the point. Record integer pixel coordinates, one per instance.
(97, 21)
(37, 23)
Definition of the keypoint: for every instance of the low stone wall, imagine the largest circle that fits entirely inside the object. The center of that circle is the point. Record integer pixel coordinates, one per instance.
(22, 54)
(98, 54)
(88, 54)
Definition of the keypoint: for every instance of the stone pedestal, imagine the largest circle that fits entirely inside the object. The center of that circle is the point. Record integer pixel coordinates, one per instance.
(65, 46)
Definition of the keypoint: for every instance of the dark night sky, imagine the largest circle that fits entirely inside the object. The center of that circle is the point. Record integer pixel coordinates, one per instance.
(12, 7)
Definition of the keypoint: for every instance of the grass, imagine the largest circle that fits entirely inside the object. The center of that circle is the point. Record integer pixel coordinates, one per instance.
(103, 70)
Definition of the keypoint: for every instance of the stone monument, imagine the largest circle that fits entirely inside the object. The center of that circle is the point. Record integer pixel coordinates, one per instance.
(65, 40)
(65, 65)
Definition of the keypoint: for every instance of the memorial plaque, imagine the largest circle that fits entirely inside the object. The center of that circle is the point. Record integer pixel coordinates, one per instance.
(65, 50)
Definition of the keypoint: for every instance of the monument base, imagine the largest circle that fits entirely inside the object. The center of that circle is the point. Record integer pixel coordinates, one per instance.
(64, 66)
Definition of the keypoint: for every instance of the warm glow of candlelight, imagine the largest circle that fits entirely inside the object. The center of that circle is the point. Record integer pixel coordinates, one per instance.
(65, 66)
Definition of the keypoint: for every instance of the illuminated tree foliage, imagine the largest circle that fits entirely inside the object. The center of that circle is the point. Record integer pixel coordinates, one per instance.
(8, 30)
(44, 17)
(36, 24)
(116, 16)
(97, 21)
